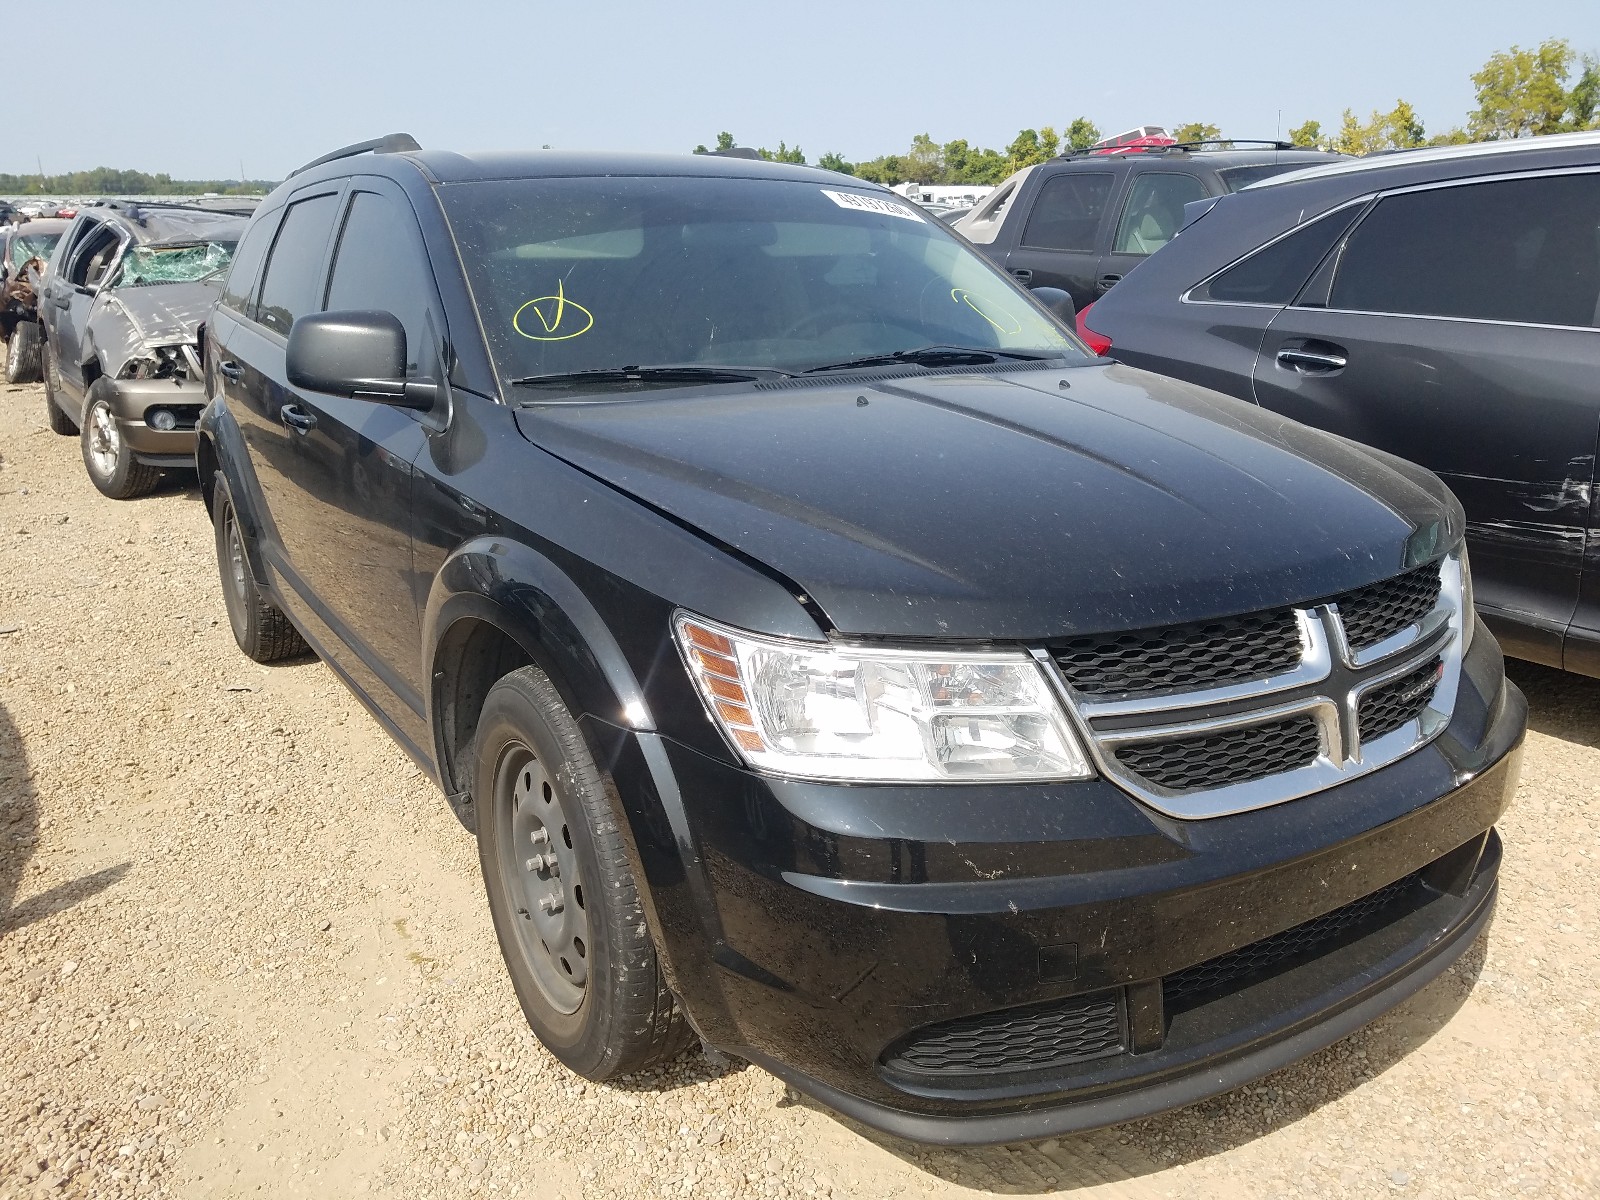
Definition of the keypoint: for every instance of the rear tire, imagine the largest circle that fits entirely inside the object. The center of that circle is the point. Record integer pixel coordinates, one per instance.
(263, 632)
(107, 457)
(22, 353)
(586, 974)
(59, 421)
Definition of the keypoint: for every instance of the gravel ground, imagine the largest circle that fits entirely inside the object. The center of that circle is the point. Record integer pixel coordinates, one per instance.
(244, 950)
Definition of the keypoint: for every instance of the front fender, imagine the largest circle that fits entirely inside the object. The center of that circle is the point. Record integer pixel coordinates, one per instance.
(220, 449)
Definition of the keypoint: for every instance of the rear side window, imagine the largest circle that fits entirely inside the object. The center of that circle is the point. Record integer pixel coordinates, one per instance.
(1154, 211)
(1275, 273)
(246, 269)
(1525, 250)
(1066, 216)
(381, 265)
(295, 268)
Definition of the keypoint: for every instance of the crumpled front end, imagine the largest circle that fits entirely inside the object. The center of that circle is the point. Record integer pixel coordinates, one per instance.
(147, 339)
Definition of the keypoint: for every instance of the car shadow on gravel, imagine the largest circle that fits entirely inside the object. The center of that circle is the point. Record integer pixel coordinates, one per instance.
(1188, 1135)
(1560, 704)
(19, 834)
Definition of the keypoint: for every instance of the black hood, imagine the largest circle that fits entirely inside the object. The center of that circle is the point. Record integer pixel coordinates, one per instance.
(1020, 503)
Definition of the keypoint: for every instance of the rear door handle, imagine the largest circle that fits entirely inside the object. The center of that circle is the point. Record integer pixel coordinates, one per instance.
(1311, 362)
(1022, 274)
(297, 418)
(231, 371)
(1106, 282)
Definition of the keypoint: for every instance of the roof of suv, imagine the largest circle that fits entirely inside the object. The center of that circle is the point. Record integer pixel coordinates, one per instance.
(170, 224)
(1211, 158)
(1437, 154)
(447, 166)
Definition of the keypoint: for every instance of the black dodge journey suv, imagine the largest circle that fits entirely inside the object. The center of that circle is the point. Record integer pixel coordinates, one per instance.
(838, 663)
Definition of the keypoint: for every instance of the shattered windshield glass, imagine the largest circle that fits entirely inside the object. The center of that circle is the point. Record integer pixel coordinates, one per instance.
(174, 264)
(37, 245)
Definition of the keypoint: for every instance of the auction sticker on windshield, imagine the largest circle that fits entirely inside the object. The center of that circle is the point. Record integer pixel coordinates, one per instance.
(871, 204)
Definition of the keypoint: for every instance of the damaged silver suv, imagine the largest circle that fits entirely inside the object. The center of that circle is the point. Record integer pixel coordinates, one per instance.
(123, 298)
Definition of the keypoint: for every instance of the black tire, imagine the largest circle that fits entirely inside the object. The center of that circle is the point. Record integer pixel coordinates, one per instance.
(106, 456)
(59, 421)
(529, 761)
(22, 354)
(259, 625)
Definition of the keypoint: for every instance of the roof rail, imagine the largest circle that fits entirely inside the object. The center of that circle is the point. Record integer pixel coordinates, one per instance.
(389, 143)
(1212, 143)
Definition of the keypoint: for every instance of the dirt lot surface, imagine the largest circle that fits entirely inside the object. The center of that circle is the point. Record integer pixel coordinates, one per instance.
(244, 951)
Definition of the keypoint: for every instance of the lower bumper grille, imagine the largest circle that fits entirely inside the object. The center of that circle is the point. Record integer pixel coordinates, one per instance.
(1037, 1037)
(1247, 963)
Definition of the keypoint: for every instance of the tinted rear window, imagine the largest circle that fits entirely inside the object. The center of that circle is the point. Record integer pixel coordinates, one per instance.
(1525, 250)
(1066, 216)
(1276, 273)
(295, 268)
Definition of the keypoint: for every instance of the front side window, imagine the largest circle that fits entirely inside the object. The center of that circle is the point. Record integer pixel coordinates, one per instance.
(1154, 211)
(246, 266)
(1066, 216)
(295, 268)
(1524, 250)
(585, 274)
(381, 265)
(26, 246)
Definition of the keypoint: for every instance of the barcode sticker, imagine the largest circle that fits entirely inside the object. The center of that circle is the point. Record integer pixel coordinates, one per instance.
(872, 204)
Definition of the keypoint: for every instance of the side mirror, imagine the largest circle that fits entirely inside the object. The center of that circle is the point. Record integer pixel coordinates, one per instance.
(361, 355)
(1058, 302)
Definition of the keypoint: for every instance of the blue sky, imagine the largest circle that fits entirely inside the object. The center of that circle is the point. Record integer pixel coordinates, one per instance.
(277, 83)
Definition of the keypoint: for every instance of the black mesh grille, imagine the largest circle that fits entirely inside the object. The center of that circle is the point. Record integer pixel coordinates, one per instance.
(1385, 709)
(1248, 963)
(1378, 610)
(1219, 759)
(1016, 1039)
(1183, 657)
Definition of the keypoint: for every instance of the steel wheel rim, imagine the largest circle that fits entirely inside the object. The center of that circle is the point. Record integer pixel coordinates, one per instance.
(539, 868)
(105, 442)
(236, 568)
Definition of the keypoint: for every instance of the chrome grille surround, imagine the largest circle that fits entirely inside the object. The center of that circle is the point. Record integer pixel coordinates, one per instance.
(1328, 685)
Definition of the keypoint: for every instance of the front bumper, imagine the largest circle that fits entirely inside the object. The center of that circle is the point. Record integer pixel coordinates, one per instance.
(820, 930)
(134, 399)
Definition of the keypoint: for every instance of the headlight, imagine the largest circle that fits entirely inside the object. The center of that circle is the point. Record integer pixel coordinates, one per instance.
(825, 712)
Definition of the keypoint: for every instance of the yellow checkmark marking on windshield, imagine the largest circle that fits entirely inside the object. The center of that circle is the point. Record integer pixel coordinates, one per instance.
(1011, 325)
(560, 317)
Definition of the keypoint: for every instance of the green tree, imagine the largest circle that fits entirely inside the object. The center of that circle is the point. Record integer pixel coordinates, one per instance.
(1522, 92)
(1081, 134)
(835, 162)
(725, 140)
(1308, 135)
(1397, 129)
(1583, 100)
(924, 163)
(782, 154)
(1026, 149)
(1454, 136)
(1196, 132)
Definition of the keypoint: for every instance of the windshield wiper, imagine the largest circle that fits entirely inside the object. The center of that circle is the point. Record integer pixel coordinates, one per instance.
(667, 373)
(931, 356)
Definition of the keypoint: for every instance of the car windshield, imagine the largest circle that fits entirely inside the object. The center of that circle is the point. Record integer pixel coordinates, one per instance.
(174, 264)
(32, 245)
(574, 275)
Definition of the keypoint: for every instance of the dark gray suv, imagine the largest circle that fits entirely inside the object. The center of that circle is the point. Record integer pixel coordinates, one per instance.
(1439, 304)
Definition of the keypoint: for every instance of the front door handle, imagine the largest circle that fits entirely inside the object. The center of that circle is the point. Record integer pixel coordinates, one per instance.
(1022, 274)
(231, 371)
(1106, 282)
(1311, 362)
(297, 418)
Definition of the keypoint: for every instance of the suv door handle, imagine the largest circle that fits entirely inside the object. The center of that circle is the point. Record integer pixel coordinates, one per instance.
(231, 371)
(297, 418)
(1022, 274)
(1311, 362)
(1106, 282)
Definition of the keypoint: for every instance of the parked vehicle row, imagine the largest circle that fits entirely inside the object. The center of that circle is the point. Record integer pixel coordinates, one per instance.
(836, 661)
(1443, 305)
(25, 248)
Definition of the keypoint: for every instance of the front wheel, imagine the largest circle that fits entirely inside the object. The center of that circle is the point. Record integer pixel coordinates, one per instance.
(22, 353)
(111, 464)
(564, 902)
